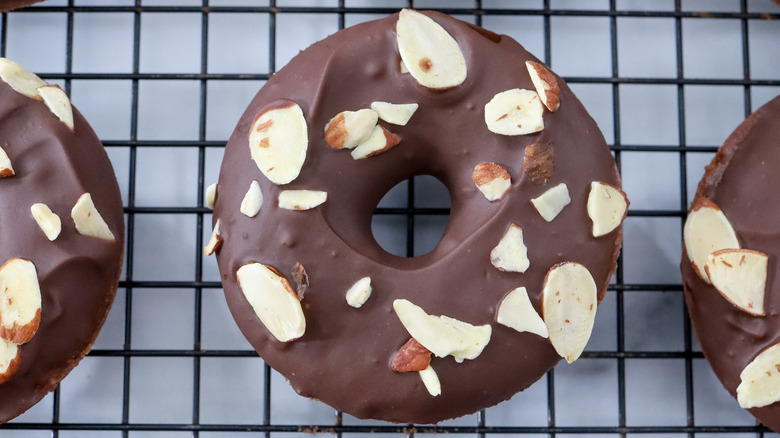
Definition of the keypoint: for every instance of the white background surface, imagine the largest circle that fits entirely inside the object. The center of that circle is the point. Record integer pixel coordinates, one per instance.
(588, 393)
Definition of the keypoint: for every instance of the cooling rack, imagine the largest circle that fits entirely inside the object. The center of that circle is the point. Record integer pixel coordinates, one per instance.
(164, 82)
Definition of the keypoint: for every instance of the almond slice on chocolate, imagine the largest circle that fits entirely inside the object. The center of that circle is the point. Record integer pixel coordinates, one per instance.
(58, 103)
(550, 203)
(278, 141)
(211, 196)
(50, 223)
(546, 85)
(431, 54)
(517, 312)
(88, 220)
(760, 380)
(358, 294)
(20, 79)
(20, 301)
(442, 335)
(395, 113)
(740, 276)
(350, 128)
(706, 230)
(253, 200)
(5, 165)
(539, 162)
(569, 300)
(492, 180)
(515, 112)
(9, 359)
(431, 381)
(214, 242)
(607, 207)
(412, 356)
(379, 141)
(301, 199)
(511, 254)
(273, 300)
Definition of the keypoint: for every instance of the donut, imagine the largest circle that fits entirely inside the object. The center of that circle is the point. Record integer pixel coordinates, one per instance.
(62, 229)
(730, 264)
(536, 213)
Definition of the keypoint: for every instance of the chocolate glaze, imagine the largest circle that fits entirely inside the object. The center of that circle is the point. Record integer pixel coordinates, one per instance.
(742, 180)
(9, 5)
(344, 357)
(77, 274)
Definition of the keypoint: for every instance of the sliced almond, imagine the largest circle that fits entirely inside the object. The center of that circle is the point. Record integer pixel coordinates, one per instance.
(5, 165)
(395, 113)
(514, 112)
(569, 307)
(301, 279)
(253, 200)
(301, 199)
(20, 301)
(432, 55)
(517, 312)
(58, 103)
(550, 203)
(379, 141)
(273, 300)
(740, 276)
(215, 242)
(492, 180)
(431, 381)
(607, 207)
(442, 335)
(511, 253)
(412, 356)
(48, 221)
(358, 294)
(211, 196)
(20, 79)
(278, 141)
(760, 380)
(538, 162)
(350, 128)
(9, 359)
(546, 85)
(706, 230)
(88, 220)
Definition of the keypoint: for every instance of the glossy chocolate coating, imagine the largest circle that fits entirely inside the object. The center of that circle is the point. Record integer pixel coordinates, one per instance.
(743, 180)
(77, 274)
(10, 5)
(344, 357)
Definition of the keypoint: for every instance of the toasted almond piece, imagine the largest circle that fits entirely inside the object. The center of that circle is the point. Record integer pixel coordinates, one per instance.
(412, 356)
(88, 220)
(58, 103)
(517, 312)
(550, 203)
(211, 196)
(538, 162)
(432, 55)
(20, 79)
(350, 128)
(273, 300)
(492, 180)
(431, 381)
(301, 199)
(48, 221)
(442, 335)
(5, 165)
(546, 85)
(20, 301)
(607, 207)
(358, 294)
(301, 279)
(740, 276)
(511, 253)
(253, 200)
(215, 242)
(760, 380)
(379, 141)
(278, 141)
(706, 230)
(395, 113)
(514, 112)
(9, 359)
(569, 307)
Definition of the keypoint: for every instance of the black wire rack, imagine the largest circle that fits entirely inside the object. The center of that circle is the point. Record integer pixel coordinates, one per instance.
(638, 303)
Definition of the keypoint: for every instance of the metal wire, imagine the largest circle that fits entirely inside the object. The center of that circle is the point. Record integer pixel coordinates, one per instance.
(264, 424)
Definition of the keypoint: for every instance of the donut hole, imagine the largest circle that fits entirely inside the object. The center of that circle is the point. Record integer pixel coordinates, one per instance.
(412, 217)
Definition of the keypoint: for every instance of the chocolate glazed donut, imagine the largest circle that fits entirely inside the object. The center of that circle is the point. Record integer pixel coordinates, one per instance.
(345, 356)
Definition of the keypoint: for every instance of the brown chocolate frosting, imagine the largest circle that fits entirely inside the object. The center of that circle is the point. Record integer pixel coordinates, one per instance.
(10, 5)
(78, 275)
(344, 356)
(743, 180)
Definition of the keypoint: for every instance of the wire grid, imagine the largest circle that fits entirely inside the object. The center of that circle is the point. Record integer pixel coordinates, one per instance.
(52, 423)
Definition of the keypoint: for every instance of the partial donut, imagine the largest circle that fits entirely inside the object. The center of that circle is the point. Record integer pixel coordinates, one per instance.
(512, 287)
(730, 264)
(62, 234)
